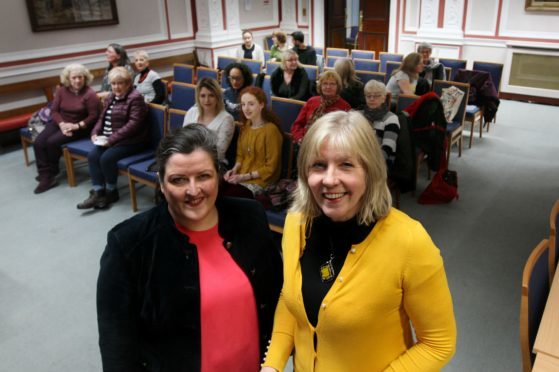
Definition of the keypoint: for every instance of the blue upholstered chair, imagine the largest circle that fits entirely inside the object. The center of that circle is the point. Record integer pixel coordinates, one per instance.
(404, 101)
(268, 42)
(455, 128)
(535, 290)
(287, 110)
(312, 72)
(330, 61)
(319, 51)
(175, 120)
(267, 88)
(363, 54)
(139, 173)
(337, 52)
(26, 141)
(390, 68)
(454, 64)
(182, 95)
(474, 115)
(388, 57)
(271, 67)
(496, 72)
(183, 73)
(266, 55)
(553, 239)
(365, 76)
(73, 151)
(224, 61)
(255, 66)
(366, 65)
(202, 72)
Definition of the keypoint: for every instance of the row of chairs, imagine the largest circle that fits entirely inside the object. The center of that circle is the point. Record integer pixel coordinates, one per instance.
(537, 276)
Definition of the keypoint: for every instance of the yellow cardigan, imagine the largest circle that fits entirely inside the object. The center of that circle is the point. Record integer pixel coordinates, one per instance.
(394, 276)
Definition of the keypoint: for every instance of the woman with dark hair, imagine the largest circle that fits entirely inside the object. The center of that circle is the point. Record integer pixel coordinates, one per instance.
(238, 77)
(352, 87)
(404, 79)
(365, 287)
(192, 284)
(290, 80)
(116, 56)
(329, 87)
(75, 110)
(121, 131)
(210, 111)
(258, 162)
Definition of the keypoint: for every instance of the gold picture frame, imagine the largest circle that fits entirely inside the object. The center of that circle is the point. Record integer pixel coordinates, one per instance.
(542, 6)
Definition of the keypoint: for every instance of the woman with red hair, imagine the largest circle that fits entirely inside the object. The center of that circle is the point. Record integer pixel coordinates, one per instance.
(258, 158)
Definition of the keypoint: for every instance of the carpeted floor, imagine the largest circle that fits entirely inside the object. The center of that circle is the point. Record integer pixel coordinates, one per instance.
(508, 181)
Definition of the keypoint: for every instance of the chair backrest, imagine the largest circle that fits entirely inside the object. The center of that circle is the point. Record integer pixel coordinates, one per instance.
(266, 55)
(287, 110)
(439, 85)
(390, 68)
(494, 69)
(267, 88)
(363, 54)
(386, 57)
(182, 95)
(319, 50)
(366, 65)
(157, 118)
(176, 119)
(330, 61)
(312, 72)
(337, 52)
(365, 76)
(404, 101)
(287, 156)
(254, 65)
(271, 67)
(454, 64)
(553, 239)
(202, 72)
(447, 72)
(268, 42)
(183, 73)
(535, 289)
(224, 61)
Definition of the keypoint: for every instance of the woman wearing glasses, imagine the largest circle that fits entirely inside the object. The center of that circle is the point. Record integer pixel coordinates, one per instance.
(238, 77)
(290, 80)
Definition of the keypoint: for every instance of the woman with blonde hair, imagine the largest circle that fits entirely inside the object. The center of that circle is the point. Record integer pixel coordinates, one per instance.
(329, 87)
(280, 46)
(404, 79)
(290, 80)
(358, 274)
(352, 87)
(210, 111)
(74, 111)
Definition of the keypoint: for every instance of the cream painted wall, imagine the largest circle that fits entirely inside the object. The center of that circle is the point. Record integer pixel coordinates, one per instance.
(258, 13)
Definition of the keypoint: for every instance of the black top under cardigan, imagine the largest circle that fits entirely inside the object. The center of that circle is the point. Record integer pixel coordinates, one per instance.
(148, 291)
(298, 88)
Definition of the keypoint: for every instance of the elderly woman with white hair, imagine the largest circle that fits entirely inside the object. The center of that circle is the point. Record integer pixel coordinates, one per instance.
(384, 122)
(147, 81)
(290, 80)
(432, 69)
(74, 111)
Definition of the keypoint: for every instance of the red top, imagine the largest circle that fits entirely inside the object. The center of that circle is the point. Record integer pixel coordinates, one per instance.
(229, 322)
(72, 108)
(299, 128)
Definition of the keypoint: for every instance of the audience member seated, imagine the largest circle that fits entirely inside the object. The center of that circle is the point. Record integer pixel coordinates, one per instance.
(329, 87)
(307, 54)
(75, 110)
(249, 49)
(432, 70)
(404, 79)
(209, 110)
(121, 131)
(352, 87)
(116, 56)
(290, 80)
(147, 81)
(258, 162)
(171, 294)
(238, 77)
(384, 122)
(280, 46)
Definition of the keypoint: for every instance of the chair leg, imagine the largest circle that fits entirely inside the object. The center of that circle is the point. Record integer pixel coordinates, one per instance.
(472, 133)
(69, 162)
(132, 188)
(24, 146)
(460, 146)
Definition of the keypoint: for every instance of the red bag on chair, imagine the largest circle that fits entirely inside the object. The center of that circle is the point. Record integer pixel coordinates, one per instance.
(443, 187)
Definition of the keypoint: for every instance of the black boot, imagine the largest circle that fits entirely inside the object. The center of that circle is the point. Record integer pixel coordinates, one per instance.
(110, 197)
(94, 198)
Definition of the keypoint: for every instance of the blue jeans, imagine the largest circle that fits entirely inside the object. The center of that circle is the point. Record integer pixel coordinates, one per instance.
(102, 162)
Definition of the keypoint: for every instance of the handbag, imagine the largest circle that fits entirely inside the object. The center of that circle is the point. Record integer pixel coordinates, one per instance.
(443, 187)
(38, 121)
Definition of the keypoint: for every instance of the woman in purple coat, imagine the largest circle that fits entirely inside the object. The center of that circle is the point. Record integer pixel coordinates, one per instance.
(121, 131)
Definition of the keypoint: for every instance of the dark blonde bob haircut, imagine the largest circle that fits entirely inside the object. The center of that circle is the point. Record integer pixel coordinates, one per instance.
(351, 133)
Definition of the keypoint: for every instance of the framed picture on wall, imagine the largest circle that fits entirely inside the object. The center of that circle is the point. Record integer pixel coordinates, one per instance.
(542, 5)
(47, 15)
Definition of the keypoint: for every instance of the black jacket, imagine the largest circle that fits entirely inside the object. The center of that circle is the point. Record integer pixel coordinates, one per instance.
(148, 292)
(297, 89)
